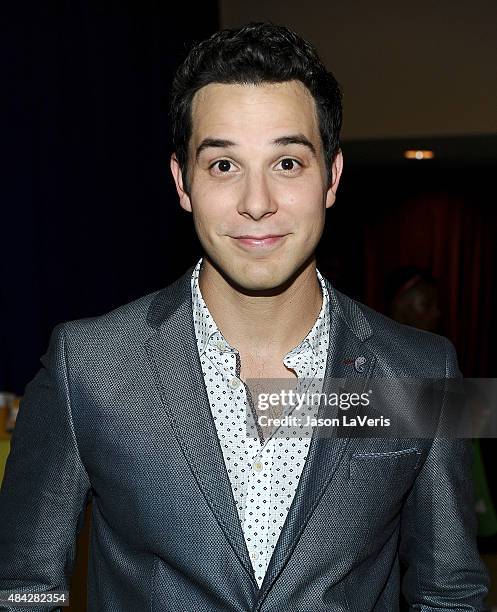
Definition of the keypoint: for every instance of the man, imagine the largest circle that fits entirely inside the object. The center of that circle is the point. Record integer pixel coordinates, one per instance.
(412, 298)
(145, 409)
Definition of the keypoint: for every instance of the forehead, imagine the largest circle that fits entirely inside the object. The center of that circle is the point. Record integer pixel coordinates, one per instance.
(265, 111)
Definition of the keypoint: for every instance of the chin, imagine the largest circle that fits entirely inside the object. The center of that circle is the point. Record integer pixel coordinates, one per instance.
(260, 276)
(267, 275)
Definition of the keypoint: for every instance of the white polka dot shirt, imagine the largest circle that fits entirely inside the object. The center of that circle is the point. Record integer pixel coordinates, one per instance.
(264, 474)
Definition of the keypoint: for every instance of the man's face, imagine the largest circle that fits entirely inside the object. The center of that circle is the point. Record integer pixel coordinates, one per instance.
(258, 180)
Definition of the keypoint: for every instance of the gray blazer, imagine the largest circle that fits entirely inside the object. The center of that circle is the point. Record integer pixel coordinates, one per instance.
(119, 414)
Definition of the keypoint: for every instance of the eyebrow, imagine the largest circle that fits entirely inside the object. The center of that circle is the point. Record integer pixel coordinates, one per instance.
(220, 143)
(298, 139)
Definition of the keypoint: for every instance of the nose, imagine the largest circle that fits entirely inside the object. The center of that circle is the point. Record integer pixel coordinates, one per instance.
(256, 200)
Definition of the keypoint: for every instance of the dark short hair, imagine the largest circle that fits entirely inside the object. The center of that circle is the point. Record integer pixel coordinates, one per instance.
(403, 279)
(253, 54)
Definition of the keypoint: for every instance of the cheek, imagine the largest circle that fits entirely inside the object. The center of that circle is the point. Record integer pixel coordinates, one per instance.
(306, 206)
(211, 217)
(214, 207)
(305, 191)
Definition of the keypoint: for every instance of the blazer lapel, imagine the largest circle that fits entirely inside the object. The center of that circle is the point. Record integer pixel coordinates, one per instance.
(348, 359)
(173, 355)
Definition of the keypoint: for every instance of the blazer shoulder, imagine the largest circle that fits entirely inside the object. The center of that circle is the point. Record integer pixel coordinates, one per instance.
(415, 352)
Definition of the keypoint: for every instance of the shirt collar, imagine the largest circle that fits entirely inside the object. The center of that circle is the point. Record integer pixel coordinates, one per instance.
(207, 332)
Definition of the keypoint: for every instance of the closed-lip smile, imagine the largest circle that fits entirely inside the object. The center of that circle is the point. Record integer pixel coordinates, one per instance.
(265, 237)
(259, 242)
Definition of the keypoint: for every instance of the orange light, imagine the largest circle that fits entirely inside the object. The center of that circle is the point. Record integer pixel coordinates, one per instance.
(419, 154)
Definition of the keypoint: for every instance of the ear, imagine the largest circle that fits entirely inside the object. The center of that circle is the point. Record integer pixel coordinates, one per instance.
(184, 198)
(336, 170)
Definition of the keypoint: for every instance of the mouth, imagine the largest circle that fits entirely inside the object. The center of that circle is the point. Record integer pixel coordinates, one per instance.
(259, 242)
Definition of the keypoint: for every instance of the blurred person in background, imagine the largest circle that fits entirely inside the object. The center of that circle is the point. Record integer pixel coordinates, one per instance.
(412, 298)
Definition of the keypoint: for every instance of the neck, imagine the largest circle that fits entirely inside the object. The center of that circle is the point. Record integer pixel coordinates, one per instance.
(263, 324)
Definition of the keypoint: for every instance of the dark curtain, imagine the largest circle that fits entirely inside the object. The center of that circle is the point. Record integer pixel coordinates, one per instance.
(434, 216)
(89, 215)
(453, 235)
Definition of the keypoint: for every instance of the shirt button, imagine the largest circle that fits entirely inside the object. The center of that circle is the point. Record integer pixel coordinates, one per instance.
(221, 345)
(254, 555)
(258, 466)
(234, 383)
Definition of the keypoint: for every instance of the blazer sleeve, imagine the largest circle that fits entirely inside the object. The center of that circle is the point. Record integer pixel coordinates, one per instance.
(438, 528)
(45, 487)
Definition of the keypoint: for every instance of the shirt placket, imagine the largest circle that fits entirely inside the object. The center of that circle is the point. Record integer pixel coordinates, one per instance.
(258, 507)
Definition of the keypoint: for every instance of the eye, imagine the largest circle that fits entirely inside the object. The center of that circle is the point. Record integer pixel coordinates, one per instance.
(223, 166)
(288, 164)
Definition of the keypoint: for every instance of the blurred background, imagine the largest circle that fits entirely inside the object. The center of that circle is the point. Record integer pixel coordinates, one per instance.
(89, 214)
